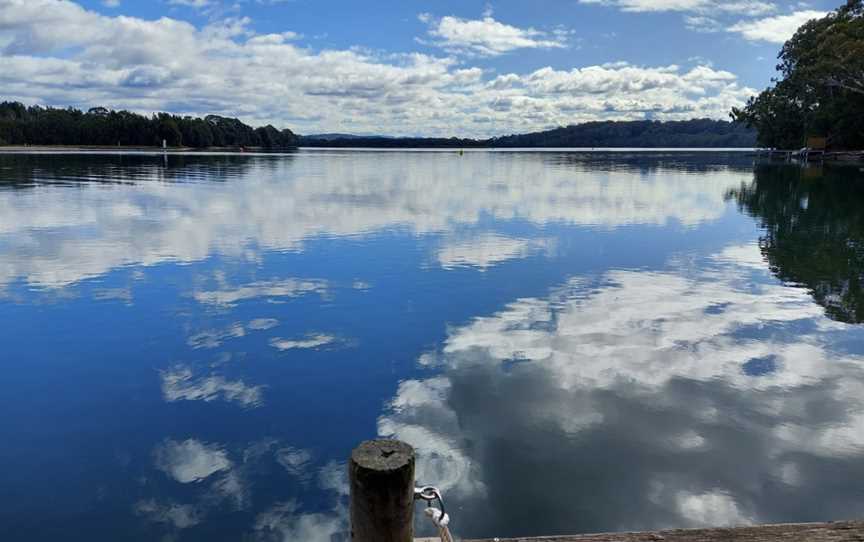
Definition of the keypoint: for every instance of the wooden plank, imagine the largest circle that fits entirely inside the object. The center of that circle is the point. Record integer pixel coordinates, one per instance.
(842, 531)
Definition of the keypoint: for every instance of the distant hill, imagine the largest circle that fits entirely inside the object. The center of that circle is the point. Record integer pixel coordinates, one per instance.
(331, 137)
(696, 133)
(390, 142)
(35, 125)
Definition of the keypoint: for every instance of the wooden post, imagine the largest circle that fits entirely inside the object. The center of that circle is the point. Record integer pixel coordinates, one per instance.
(382, 492)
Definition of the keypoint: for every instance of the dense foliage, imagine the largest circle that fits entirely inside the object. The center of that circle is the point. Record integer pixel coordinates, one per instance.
(20, 125)
(651, 134)
(645, 133)
(820, 91)
(814, 231)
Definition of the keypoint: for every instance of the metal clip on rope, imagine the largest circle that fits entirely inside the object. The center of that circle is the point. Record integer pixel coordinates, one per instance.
(438, 517)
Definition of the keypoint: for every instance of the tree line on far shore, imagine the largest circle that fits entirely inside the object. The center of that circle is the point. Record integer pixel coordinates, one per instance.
(36, 125)
(696, 133)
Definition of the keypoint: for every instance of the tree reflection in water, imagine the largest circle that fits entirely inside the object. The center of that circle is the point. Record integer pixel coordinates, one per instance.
(814, 230)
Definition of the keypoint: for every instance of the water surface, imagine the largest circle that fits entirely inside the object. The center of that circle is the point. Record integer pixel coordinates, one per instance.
(574, 342)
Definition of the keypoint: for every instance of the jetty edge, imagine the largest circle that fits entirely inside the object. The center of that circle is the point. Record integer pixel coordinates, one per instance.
(838, 531)
(382, 493)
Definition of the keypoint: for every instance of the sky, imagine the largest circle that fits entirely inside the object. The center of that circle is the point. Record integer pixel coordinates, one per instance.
(400, 67)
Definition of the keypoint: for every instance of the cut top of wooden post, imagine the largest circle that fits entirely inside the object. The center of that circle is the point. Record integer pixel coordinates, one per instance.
(382, 455)
(382, 492)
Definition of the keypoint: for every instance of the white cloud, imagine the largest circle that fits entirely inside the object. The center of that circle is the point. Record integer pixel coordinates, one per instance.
(216, 480)
(680, 315)
(155, 220)
(743, 255)
(701, 23)
(284, 522)
(260, 324)
(713, 508)
(595, 375)
(710, 16)
(232, 487)
(181, 516)
(622, 81)
(439, 455)
(213, 338)
(651, 5)
(108, 294)
(294, 460)
(334, 477)
(180, 384)
(750, 8)
(191, 3)
(111, 3)
(775, 29)
(740, 7)
(488, 37)
(190, 460)
(310, 342)
(56, 52)
(487, 250)
(229, 296)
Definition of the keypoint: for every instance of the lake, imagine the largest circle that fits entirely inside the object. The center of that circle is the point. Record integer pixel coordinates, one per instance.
(573, 342)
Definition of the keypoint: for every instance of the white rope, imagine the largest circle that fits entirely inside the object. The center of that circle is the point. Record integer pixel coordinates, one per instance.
(441, 521)
(438, 516)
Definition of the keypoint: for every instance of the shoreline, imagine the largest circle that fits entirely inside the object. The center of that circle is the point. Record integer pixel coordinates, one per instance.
(833, 157)
(10, 149)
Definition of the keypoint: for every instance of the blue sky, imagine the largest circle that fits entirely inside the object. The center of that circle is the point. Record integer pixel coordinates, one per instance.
(398, 67)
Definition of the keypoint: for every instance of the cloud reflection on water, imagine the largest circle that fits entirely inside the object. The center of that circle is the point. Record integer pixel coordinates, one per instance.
(280, 203)
(487, 250)
(625, 404)
(190, 460)
(222, 484)
(574, 398)
(228, 296)
(311, 341)
(180, 516)
(180, 384)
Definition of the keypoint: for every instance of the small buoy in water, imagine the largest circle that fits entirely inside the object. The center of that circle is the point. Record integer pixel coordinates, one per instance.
(461, 152)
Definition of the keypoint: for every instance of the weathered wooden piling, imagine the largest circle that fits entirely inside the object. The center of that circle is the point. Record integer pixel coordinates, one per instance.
(382, 492)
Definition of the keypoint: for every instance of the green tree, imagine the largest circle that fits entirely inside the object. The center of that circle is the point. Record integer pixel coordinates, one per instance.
(168, 130)
(38, 125)
(820, 90)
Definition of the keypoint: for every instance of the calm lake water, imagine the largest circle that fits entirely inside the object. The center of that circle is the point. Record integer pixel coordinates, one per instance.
(574, 342)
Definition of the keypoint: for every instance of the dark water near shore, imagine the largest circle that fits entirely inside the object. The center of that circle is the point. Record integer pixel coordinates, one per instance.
(191, 345)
